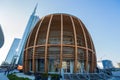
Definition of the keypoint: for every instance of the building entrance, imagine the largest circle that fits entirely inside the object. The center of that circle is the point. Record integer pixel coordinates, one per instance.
(68, 66)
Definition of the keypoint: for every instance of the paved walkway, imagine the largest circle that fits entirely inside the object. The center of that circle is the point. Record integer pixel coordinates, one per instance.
(3, 77)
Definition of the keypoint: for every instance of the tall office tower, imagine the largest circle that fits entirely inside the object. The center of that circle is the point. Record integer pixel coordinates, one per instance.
(1, 37)
(12, 51)
(31, 23)
(107, 64)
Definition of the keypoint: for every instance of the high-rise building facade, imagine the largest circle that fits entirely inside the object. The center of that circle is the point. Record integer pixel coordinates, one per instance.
(1, 37)
(59, 41)
(107, 64)
(12, 51)
(31, 23)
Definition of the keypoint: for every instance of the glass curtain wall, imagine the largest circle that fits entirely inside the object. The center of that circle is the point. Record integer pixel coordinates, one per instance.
(81, 61)
(53, 59)
(40, 65)
(40, 59)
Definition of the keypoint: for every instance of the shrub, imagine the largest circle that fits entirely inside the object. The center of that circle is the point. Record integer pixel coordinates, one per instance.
(14, 77)
(55, 77)
(44, 76)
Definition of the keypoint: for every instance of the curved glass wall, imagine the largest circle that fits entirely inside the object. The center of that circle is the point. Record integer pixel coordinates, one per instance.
(54, 37)
(53, 59)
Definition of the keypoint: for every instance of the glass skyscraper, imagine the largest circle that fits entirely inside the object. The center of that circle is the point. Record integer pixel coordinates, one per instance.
(31, 23)
(12, 51)
(107, 64)
(1, 37)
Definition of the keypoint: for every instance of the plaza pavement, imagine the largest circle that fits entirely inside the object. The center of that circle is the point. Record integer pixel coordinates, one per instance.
(3, 77)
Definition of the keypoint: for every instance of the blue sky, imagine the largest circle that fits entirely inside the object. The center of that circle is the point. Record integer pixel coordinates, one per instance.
(101, 17)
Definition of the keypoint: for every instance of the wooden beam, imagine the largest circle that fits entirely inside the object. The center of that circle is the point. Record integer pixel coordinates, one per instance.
(46, 44)
(61, 43)
(76, 50)
(86, 45)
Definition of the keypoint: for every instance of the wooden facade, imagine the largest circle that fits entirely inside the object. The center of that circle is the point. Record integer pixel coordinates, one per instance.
(59, 38)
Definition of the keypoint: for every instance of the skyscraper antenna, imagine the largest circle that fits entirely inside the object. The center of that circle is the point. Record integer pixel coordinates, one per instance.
(35, 9)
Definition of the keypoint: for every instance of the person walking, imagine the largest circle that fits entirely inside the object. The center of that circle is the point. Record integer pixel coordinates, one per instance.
(8, 70)
(5, 72)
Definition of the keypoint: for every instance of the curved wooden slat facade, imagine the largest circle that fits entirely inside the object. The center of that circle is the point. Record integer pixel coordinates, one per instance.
(59, 41)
